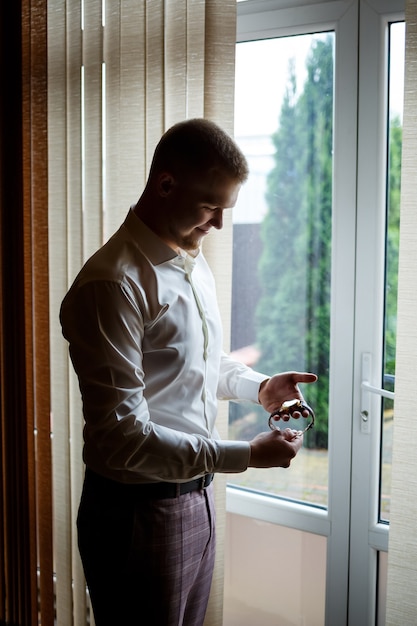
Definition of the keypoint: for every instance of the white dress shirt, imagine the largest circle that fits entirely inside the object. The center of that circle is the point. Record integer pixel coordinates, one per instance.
(145, 339)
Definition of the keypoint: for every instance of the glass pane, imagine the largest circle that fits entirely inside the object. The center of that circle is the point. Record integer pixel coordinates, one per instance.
(258, 588)
(395, 111)
(282, 240)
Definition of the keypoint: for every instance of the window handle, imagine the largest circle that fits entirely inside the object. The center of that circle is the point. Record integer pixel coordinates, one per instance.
(379, 392)
(366, 390)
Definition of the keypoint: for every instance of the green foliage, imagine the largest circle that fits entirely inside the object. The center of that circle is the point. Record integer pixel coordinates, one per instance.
(392, 244)
(293, 315)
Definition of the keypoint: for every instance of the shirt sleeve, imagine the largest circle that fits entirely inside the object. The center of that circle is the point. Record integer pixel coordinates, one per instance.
(103, 323)
(237, 381)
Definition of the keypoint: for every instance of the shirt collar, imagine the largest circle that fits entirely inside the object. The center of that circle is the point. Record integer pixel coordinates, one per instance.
(153, 247)
(186, 260)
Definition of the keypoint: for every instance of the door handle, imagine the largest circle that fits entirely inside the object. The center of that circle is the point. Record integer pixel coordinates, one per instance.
(366, 390)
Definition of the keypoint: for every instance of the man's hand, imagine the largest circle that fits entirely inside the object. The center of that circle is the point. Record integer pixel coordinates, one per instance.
(282, 387)
(275, 448)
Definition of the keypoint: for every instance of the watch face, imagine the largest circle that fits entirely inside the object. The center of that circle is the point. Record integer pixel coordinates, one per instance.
(286, 411)
(290, 403)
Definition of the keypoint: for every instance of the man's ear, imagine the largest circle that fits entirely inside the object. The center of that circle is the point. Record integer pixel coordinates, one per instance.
(165, 184)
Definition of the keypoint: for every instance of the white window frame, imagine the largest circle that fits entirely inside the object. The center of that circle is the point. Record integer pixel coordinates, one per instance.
(367, 539)
(353, 535)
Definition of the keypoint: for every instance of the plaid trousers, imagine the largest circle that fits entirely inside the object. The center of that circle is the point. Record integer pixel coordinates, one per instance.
(146, 562)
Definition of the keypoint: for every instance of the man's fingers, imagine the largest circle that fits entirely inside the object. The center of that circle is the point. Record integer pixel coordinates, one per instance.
(305, 377)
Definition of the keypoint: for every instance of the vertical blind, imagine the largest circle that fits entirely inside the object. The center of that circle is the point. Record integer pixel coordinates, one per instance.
(120, 72)
(402, 555)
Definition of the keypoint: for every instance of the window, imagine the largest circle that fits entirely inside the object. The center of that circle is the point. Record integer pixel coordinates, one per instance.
(282, 239)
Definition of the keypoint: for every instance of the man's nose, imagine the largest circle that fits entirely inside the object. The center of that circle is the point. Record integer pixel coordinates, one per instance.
(217, 219)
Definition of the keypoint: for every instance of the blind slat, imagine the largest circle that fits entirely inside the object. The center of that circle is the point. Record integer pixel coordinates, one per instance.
(91, 111)
(175, 65)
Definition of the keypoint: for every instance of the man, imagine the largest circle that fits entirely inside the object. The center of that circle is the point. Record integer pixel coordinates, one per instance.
(145, 340)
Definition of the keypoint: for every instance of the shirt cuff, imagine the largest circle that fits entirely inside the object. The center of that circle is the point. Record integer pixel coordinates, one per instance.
(248, 385)
(233, 456)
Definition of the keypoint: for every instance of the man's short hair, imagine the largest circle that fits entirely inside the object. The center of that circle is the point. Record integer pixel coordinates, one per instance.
(197, 145)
